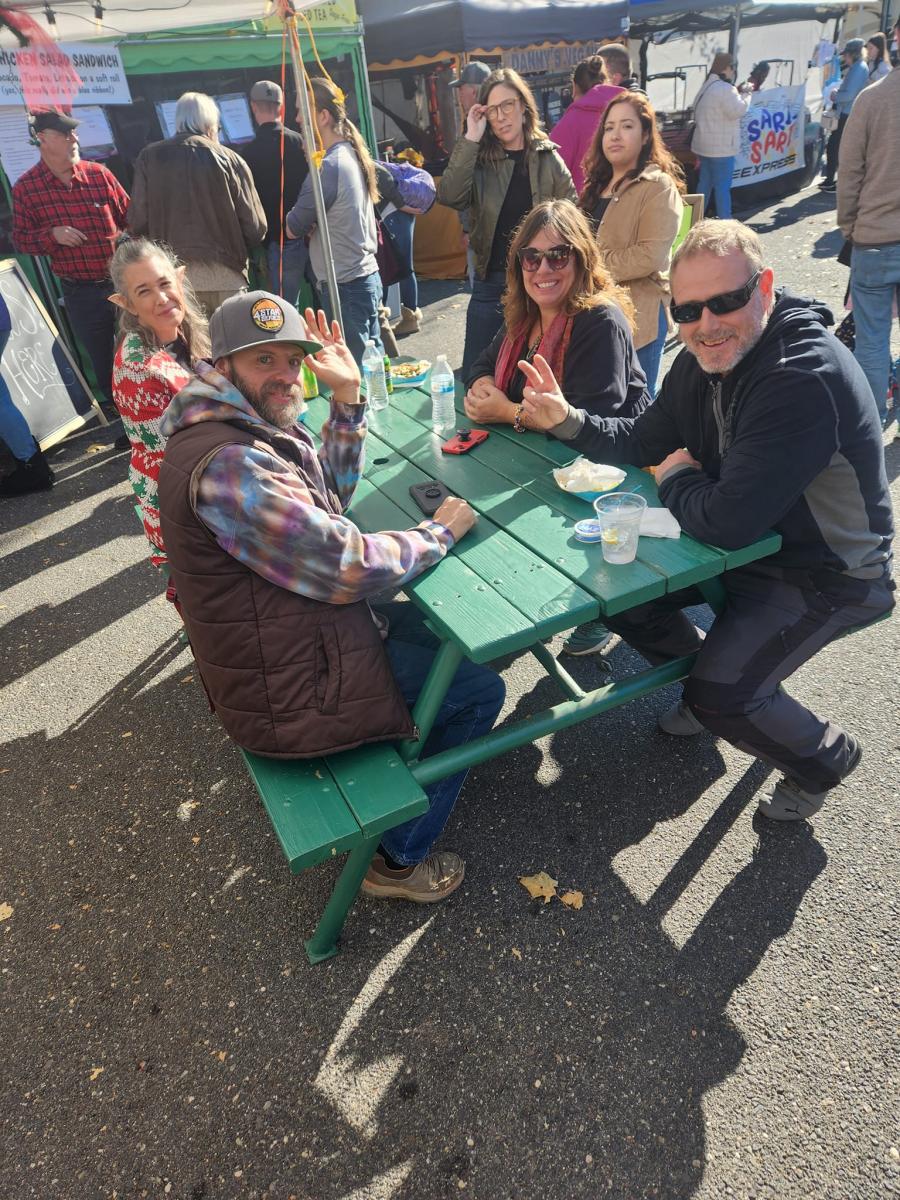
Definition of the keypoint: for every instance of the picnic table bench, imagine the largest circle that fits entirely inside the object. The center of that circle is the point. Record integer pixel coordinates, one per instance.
(517, 578)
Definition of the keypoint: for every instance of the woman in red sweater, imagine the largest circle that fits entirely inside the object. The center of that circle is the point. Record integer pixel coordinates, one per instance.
(162, 334)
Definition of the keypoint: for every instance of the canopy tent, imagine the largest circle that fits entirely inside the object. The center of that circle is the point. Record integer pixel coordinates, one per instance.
(649, 17)
(407, 29)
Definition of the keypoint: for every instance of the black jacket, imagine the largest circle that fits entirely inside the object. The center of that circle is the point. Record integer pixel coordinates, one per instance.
(790, 440)
(263, 156)
(602, 372)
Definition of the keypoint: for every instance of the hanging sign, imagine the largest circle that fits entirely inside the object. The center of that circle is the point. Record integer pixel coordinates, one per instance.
(49, 68)
(531, 61)
(771, 135)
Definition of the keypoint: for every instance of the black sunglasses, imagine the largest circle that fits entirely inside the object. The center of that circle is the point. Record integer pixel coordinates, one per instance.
(726, 302)
(556, 256)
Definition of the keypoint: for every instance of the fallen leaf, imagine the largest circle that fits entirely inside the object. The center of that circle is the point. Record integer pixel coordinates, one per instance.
(573, 899)
(6, 911)
(196, 842)
(96, 448)
(516, 953)
(96, 1073)
(126, 734)
(188, 679)
(221, 1055)
(56, 926)
(539, 885)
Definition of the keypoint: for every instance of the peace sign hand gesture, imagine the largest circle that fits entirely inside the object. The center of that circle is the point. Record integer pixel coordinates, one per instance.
(543, 402)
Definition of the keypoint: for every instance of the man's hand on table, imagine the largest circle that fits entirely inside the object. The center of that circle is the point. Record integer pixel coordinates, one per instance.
(678, 458)
(333, 365)
(456, 515)
(543, 403)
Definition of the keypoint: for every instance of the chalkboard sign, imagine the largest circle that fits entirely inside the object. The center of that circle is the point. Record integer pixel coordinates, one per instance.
(46, 386)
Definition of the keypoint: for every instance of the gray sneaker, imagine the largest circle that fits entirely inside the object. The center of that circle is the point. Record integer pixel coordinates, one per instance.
(679, 721)
(427, 882)
(788, 801)
(589, 638)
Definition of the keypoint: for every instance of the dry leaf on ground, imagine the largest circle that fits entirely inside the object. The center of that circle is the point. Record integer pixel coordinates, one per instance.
(6, 911)
(516, 953)
(96, 1073)
(573, 899)
(539, 885)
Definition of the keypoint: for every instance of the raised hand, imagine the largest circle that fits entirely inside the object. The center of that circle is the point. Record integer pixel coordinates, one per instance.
(333, 365)
(476, 123)
(543, 403)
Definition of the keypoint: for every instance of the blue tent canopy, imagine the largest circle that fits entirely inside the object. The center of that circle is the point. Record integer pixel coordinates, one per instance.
(650, 16)
(398, 29)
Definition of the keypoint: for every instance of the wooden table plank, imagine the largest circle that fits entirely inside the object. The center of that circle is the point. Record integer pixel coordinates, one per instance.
(377, 787)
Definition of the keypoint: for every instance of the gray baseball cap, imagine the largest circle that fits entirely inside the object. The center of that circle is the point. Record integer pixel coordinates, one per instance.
(266, 90)
(474, 72)
(254, 318)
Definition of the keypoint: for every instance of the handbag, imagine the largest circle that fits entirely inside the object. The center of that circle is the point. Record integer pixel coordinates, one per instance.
(846, 332)
(392, 267)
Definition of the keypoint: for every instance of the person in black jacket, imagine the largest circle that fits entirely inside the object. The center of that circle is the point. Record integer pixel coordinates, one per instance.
(765, 421)
(278, 186)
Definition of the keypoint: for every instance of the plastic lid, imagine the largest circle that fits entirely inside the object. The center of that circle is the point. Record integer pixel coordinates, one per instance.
(588, 530)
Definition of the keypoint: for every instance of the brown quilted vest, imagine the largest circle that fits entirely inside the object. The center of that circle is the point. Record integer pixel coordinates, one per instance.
(288, 677)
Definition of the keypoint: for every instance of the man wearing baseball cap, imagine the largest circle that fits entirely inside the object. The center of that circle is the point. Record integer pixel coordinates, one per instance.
(73, 211)
(856, 76)
(277, 190)
(273, 580)
(468, 86)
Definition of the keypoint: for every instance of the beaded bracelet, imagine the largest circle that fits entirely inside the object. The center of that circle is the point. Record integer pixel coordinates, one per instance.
(518, 426)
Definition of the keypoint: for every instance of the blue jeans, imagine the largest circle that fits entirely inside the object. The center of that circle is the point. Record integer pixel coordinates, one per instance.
(13, 426)
(650, 356)
(715, 176)
(874, 280)
(293, 266)
(360, 299)
(401, 226)
(93, 321)
(484, 317)
(469, 710)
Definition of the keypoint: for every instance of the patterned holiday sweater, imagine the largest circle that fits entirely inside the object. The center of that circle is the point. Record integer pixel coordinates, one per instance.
(144, 382)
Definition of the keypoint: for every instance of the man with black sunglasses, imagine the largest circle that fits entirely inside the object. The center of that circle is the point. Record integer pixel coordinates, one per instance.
(765, 421)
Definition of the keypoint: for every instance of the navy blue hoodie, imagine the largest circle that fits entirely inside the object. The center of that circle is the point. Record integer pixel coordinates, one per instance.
(789, 440)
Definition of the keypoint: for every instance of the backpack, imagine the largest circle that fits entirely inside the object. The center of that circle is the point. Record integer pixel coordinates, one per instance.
(414, 184)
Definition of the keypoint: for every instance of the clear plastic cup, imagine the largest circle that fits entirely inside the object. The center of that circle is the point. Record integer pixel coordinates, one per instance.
(619, 514)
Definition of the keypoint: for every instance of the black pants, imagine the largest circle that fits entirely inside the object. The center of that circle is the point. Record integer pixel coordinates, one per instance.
(774, 621)
(93, 320)
(832, 150)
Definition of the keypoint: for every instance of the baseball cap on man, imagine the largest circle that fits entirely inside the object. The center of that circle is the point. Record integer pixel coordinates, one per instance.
(53, 120)
(474, 72)
(267, 91)
(854, 46)
(253, 319)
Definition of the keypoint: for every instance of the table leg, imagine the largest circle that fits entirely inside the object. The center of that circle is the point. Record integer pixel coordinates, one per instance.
(553, 668)
(444, 667)
(714, 593)
(323, 943)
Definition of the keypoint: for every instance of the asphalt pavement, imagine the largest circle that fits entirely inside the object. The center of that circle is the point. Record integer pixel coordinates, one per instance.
(718, 1020)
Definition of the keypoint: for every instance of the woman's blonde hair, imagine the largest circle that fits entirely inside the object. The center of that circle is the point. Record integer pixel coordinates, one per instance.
(194, 330)
(326, 97)
(490, 148)
(593, 284)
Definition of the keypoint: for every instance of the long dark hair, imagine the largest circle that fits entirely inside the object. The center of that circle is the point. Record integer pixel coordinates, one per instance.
(490, 148)
(327, 97)
(593, 283)
(597, 167)
(879, 41)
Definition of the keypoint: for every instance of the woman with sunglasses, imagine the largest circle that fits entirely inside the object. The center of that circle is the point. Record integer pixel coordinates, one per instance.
(633, 192)
(562, 303)
(500, 168)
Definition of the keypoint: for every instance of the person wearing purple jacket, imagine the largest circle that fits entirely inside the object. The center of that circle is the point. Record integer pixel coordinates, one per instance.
(574, 131)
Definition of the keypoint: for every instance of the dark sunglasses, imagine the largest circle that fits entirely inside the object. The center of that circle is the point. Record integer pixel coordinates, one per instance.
(556, 256)
(726, 302)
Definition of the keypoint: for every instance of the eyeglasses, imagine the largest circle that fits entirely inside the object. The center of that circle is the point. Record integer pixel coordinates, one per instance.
(503, 109)
(556, 256)
(725, 302)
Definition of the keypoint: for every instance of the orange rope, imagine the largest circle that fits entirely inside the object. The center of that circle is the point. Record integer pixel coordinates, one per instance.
(281, 209)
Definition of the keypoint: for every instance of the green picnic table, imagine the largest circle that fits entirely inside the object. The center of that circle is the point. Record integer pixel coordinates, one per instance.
(517, 578)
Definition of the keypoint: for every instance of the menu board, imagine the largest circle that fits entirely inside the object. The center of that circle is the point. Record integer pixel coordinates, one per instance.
(165, 110)
(18, 153)
(237, 124)
(95, 135)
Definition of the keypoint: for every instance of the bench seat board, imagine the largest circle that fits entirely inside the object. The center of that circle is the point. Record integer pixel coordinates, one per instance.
(378, 788)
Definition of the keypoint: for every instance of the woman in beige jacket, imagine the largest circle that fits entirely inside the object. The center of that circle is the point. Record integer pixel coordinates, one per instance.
(633, 192)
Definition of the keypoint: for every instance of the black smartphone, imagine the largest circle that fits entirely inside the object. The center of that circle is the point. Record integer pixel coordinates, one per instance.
(429, 496)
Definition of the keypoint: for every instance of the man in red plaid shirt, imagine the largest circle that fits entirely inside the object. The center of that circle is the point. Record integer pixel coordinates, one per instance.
(73, 211)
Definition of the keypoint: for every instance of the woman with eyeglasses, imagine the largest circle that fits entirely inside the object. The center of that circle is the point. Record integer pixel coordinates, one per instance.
(560, 302)
(633, 193)
(500, 168)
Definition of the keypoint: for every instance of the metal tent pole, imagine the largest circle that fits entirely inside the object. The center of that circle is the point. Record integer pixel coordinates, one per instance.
(306, 123)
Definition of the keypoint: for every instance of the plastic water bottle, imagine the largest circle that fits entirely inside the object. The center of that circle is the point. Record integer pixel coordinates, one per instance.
(373, 374)
(443, 392)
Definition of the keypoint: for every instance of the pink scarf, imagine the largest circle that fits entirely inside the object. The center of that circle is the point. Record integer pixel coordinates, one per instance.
(553, 346)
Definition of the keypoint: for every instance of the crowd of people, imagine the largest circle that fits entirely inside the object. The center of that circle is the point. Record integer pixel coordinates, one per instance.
(764, 421)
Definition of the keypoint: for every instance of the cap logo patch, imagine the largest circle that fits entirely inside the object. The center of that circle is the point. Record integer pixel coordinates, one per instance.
(267, 315)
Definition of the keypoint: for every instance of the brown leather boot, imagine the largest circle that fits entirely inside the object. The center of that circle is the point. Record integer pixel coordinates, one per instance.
(409, 321)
